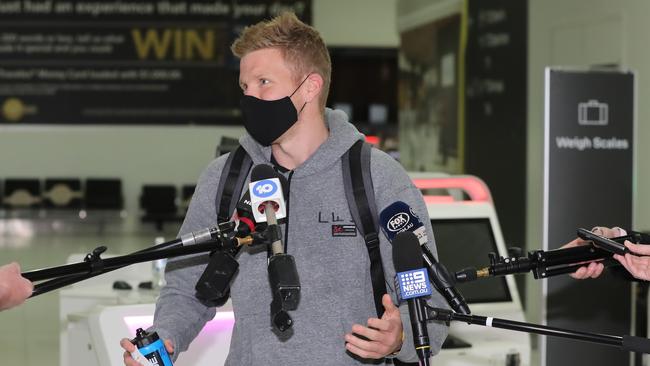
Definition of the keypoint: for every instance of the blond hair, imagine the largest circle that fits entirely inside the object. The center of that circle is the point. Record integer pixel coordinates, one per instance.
(301, 45)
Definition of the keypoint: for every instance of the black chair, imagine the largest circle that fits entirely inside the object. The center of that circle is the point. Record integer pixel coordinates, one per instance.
(187, 191)
(158, 203)
(63, 193)
(104, 194)
(226, 145)
(22, 193)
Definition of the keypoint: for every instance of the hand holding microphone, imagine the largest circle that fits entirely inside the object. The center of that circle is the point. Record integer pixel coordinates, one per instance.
(637, 263)
(593, 269)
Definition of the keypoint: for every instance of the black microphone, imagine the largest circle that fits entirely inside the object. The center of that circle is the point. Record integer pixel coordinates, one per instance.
(267, 203)
(412, 283)
(217, 233)
(398, 218)
(245, 216)
(509, 266)
(213, 287)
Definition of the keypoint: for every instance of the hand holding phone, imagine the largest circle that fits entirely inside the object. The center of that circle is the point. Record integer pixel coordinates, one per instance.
(603, 242)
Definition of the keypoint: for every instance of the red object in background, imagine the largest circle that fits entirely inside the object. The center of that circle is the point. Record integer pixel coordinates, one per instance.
(473, 186)
(373, 140)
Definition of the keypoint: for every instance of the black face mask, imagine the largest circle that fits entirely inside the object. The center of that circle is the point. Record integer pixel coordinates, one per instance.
(267, 120)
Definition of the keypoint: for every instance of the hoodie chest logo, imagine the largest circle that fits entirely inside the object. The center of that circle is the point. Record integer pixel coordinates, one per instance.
(339, 224)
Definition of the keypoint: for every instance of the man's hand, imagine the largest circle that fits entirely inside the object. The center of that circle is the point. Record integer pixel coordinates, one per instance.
(129, 347)
(384, 336)
(14, 289)
(593, 269)
(638, 266)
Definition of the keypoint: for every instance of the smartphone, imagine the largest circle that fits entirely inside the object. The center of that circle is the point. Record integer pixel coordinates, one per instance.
(603, 242)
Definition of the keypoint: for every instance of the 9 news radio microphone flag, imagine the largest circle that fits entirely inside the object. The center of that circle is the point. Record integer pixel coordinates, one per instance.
(245, 216)
(398, 218)
(412, 284)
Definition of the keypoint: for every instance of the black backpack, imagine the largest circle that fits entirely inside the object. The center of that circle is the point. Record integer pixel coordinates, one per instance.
(357, 182)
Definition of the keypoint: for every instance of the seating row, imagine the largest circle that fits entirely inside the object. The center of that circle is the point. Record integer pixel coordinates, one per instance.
(62, 193)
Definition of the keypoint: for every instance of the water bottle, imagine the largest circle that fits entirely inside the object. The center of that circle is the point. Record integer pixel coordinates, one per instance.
(152, 348)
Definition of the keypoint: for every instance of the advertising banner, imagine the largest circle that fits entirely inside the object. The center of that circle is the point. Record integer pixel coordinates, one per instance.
(588, 181)
(125, 62)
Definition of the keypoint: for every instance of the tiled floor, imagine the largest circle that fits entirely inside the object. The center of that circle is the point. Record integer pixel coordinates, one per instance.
(30, 333)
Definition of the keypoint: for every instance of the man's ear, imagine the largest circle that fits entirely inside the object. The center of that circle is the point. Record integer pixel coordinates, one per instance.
(313, 87)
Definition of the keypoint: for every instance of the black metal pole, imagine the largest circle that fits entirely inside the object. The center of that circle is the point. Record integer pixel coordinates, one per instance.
(627, 343)
(85, 267)
(59, 282)
(77, 272)
(556, 271)
(582, 253)
(124, 260)
(93, 263)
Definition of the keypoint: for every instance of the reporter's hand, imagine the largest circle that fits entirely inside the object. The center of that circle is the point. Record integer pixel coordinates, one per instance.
(384, 335)
(129, 347)
(14, 289)
(638, 266)
(593, 269)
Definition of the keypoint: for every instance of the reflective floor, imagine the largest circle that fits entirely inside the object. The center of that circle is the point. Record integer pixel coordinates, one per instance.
(30, 333)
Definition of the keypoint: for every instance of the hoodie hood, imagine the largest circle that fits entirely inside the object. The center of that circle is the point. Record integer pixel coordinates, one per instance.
(342, 135)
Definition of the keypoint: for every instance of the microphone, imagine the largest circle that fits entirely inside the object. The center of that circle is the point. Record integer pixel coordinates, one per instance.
(267, 199)
(544, 264)
(412, 283)
(213, 287)
(267, 204)
(220, 234)
(245, 216)
(398, 218)
(509, 266)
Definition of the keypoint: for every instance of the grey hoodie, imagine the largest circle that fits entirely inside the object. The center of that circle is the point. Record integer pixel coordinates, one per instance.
(336, 289)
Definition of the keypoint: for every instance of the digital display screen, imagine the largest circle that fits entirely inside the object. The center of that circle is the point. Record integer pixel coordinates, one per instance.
(463, 243)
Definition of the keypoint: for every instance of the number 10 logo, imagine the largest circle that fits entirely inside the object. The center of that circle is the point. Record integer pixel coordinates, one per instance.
(265, 188)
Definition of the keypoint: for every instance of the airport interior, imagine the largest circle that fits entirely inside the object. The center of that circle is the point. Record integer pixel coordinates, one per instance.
(519, 121)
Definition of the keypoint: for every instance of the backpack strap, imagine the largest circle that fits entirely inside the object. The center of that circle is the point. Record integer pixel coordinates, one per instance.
(359, 191)
(232, 183)
(357, 181)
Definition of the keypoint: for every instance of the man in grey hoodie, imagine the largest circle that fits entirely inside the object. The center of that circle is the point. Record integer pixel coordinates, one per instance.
(285, 75)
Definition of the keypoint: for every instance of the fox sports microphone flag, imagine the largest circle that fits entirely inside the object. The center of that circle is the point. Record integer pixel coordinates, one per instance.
(398, 218)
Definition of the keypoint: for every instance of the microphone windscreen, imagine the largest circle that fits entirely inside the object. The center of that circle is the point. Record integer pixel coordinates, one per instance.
(263, 171)
(466, 275)
(407, 254)
(245, 214)
(399, 217)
